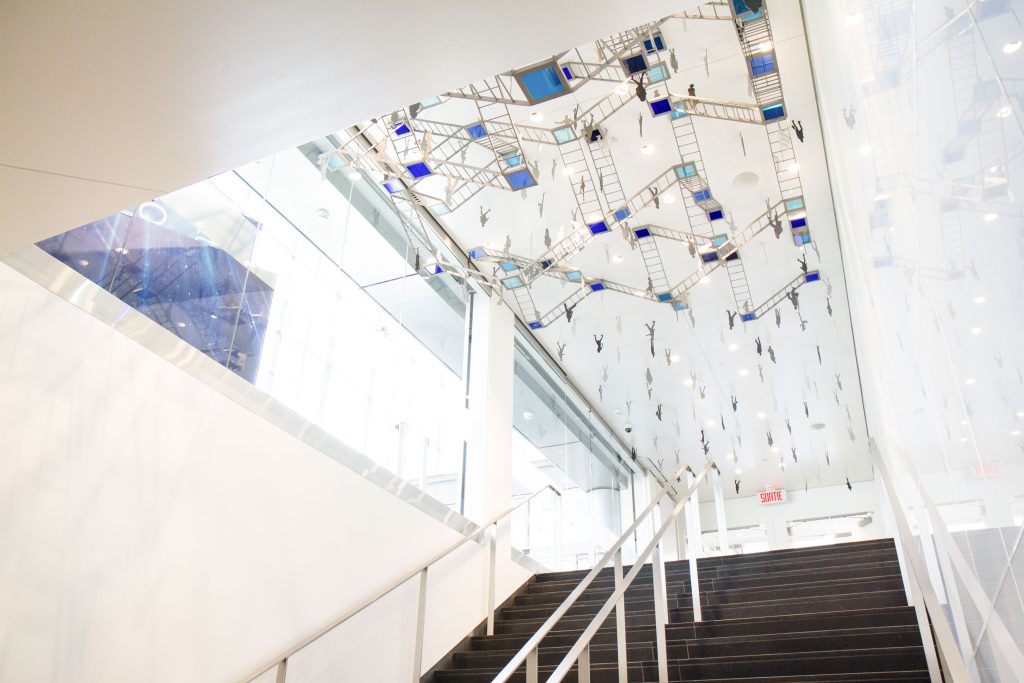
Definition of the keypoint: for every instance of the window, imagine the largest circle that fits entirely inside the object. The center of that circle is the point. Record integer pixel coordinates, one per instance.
(762, 64)
(542, 83)
(634, 64)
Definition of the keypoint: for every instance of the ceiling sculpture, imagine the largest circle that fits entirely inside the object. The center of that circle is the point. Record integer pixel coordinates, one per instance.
(656, 208)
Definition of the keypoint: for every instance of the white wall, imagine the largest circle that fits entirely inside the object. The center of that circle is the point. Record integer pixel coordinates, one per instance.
(156, 530)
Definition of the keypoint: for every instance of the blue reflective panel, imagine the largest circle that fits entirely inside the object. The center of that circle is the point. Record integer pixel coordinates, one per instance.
(715, 215)
(596, 287)
(564, 135)
(574, 276)
(536, 325)
(659, 107)
(419, 169)
(642, 232)
(804, 239)
(477, 252)
(567, 73)
(679, 306)
(657, 45)
(794, 204)
(678, 113)
(747, 317)
(702, 195)
(401, 129)
(762, 64)
(622, 214)
(512, 282)
(774, 111)
(665, 296)
(687, 170)
(520, 180)
(656, 74)
(798, 223)
(513, 159)
(508, 266)
(542, 84)
(733, 256)
(392, 186)
(709, 257)
(430, 102)
(598, 227)
(333, 162)
(439, 209)
(719, 240)
(634, 64)
(435, 269)
(546, 263)
(476, 131)
(812, 277)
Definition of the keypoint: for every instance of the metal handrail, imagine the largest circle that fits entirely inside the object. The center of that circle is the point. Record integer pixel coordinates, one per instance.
(952, 661)
(281, 660)
(529, 652)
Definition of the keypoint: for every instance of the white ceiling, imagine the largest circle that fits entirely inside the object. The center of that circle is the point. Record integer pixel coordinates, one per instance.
(710, 351)
(108, 104)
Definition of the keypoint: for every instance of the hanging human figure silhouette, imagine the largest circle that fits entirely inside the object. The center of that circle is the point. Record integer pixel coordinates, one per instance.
(583, 185)
(673, 61)
(794, 298)
(640, 122)
(691, 91)
(721, 419)
(654, 197)
(540, 205)
(484, 216)
(604, 373)
(691, 247)
(818, 347)
(798, 128)
(732, 318)
(803, 264)
(736, 483)
(849, 486)
(657, 413)
(668, 356)
(650, 334)
(554, 168)
(771, 353)
(600, 342)
(789, 427)
(851, 117)
(650, 391)
(508, 245)
(735, 403)
(649, 377)
(561, 350)
(600, 392)
(703, 392)
(828, 307)
(757, 345)
(569, 312)
(641, 91)
(771, 441)
(778, 318)
(793, 451)
(547, 238)
(807, 410)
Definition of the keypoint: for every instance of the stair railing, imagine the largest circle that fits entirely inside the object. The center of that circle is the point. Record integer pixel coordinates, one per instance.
(580, 651)
(279, 664)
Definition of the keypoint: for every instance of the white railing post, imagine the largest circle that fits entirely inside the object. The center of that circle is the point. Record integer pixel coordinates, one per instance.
(491, 565)
(723, 530)
(583, 666)
(620, 623)
(532, 666)
(282, 671)
(421, 615)
(692, 547)
(660, 611)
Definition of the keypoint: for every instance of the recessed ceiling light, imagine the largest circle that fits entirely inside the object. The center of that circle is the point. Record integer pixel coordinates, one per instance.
(536, 116)
(738, 470)
(853, 19)
(743, 372)
(1010, 48)
(963, 423)
(989, 217)
(617, 411)
(963, 439)
(322, 215)
(213, 316)
(817, 426)
(730, 456)
(121, 250)
(83, 262)
(710, 423)
(669, 198)
(882, 196)
(745, 180)
(647, 148)
(617, 258)
(706, 280)
(1020, 413)
(414, 155)
(354, 176)
(180, 324)
(594, 217)
(765, 46)
(761, 415)
(674, 358)
(527, 415)
(1015, 432)
(568, 170)
(775, 449)
(1004, 111)
(864, 150)
(969, 380)
(975, 330)
(979, 299)
(782, 465)
(732, 347)
(688, 382)
(793, 168)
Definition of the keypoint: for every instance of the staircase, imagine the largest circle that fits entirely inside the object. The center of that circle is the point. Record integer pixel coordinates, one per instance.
(833, 613)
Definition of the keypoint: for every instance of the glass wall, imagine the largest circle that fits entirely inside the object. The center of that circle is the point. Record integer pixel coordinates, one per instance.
(921, 104)
(559, 442)
(306, 287)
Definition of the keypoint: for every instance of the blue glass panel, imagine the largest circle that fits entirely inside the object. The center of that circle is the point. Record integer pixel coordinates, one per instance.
(392, 186)
(439, 209)
(512, 282)
(401, 129)
(642, 232)
(715, 215)
(794, 204)
(719, 240)
(476, 131)
(435, 269)
(678, 306)
(635, 64)
(656, 74)
(596, 287)
(536, 325)
(798, 223)
(567, 73)
(774, 111)
(659, 107)
(622, 214)
(542, 84)
(476, 252)
(747, 317)
(574, 276)
(419, 169)
(520, 180)
(333, 162)
(702, 195)
(686, 171)
(546, 263)
(430, 102)
(762, 64)
(805, 239)
(513, 159)
(508, 266)
(678, 113)
(709, 257)
(665, 296)
(598, 227)
(733, 256)
(564, 135)
(812, 277)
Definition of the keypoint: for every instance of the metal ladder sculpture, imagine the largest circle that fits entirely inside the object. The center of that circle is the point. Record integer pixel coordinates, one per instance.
(709, 10)
(781, 295)
(723, 110)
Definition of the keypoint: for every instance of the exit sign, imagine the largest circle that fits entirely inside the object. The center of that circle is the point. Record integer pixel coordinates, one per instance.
(988, 470)
(769, 497)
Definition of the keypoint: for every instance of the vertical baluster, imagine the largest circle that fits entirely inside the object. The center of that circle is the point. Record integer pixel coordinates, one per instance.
(421, 614)
(583, 665)
(620, 622)
(660, 611)
(531, 666)
(492, 534)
